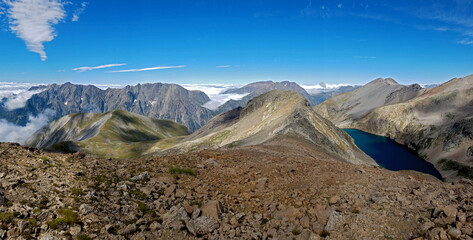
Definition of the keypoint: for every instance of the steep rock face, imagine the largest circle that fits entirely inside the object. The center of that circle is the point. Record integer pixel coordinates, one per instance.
(272, 116)
(437, 124)
(404, 94)
(162, 101)
(258, 88)
(117, 133)
(344, 108)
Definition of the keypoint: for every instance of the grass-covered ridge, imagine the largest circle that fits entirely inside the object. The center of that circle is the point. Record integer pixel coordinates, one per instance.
(117, 134)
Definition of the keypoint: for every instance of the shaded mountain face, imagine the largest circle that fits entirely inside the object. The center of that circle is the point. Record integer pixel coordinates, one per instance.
(343, 109)
(255, 89)
(113, 134)
(437, 124)
(162, 101)
(271, 117)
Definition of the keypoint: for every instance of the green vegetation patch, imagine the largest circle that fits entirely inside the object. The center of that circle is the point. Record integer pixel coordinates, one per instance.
(83, 237)
(33, 222)
(68, 217)
(139, 194)
(6, 217)
(186, 171)
(143, 208)
(77, 191)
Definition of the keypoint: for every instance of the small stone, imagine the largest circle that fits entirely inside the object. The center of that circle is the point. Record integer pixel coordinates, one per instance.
(141, 177)
(202, 225)
(261, 183)
(180, 193)
(334, 220)
(170, 190)
(128, 230)
(305, 222)
(212, 209)
(75, 230)
(196, 213)
(155, 226)
(189, 209)
(378, 200)
(85, 209)
(455, 233)
(212, 162)
(3, 200)
(235, 220)
(445, 215)
(334, 200)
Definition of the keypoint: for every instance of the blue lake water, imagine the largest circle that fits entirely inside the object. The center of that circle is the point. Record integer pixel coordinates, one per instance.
(389, 154)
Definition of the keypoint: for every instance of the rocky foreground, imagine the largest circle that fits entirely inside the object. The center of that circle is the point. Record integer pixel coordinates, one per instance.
(281, 190)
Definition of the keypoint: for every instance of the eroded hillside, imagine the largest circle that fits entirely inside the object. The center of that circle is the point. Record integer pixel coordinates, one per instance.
(282, 190)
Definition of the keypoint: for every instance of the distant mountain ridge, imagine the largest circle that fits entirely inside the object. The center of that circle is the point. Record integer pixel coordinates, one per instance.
(344, 108)
(257, 88)
(157, 100)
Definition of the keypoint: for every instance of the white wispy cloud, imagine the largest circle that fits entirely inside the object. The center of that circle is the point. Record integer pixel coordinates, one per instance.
(365, 57)
(83, 69)
(15, 95)
(465, 42)
(78, 12)
(19, 100)
(33, 21)
(340, 5)
(215, 93)
(224, 66)
(317, 88)
(146, 69)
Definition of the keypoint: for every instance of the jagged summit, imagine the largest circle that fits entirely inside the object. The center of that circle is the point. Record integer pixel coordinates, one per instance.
(156, 100)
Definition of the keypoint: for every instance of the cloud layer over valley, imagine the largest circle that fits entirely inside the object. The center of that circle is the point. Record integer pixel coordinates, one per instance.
(10, 132)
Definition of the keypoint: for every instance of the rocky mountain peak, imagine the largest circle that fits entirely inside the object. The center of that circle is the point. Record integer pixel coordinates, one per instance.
(387, 81)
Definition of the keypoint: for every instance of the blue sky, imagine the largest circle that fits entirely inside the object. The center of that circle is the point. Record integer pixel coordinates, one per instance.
(227, 42)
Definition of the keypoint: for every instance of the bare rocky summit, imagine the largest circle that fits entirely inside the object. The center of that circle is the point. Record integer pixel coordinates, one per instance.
(279, 190)
(345, 108)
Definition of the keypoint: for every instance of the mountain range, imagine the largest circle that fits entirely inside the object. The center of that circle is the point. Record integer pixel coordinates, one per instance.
(272, 169)
(156, 100)
(270, 117)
